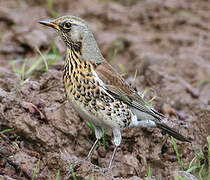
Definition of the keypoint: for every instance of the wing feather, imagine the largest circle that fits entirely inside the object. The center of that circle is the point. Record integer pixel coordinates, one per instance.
(118, 88)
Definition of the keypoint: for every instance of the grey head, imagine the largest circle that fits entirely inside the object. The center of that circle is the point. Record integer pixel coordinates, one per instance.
(77, 35)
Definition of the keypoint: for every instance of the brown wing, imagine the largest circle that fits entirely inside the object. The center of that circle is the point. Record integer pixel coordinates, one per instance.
(118, 88)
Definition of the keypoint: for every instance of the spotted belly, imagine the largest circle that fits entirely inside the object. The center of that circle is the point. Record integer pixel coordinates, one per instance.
(88, 97)
(94, 105)
(101, 110)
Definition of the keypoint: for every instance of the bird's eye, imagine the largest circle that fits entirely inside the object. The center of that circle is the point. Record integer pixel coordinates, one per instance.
(67, 25)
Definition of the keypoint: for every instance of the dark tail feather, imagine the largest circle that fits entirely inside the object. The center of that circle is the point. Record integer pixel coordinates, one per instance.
(172, 132)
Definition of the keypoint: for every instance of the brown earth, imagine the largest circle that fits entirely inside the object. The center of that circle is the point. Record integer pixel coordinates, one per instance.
(167, 42)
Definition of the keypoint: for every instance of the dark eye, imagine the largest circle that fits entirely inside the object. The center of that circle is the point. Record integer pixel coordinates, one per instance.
(67, 25)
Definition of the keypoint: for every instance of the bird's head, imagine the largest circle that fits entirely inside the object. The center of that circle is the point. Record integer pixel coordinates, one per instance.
(72, 29)
(77, 35)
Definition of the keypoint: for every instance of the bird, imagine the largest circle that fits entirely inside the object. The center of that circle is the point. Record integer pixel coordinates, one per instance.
(97, 91)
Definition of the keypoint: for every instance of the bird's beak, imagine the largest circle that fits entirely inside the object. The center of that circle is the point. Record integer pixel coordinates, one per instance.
(50, 23)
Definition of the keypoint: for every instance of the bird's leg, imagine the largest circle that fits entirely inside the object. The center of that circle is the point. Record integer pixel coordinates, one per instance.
(99, 169)
(91, 150)
(88, 156)
(98, 134)
(112, 158)
(117, 141)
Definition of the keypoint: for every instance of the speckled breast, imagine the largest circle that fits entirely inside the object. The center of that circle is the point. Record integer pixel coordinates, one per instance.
(88, 97)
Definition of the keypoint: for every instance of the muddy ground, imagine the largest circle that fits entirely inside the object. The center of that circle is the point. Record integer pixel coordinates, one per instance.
(166, 41)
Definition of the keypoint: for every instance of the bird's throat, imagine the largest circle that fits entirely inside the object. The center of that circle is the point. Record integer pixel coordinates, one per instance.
(74, 67)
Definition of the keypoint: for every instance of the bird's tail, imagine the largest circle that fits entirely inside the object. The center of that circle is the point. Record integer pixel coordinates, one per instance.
(171, 132)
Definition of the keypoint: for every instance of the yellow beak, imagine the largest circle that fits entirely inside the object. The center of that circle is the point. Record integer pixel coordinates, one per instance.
(50, 23)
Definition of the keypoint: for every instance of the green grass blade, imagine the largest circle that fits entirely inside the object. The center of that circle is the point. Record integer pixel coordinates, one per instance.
(21, 84)
(153, 98)
(192, 169)
(91, 178)
(50, 7)
(201, 170)
(34, 66)
(53, 58)
(43, 57)
(14, 69)
(149, 171)
(146, 91)
(177, 154)
(180, 177)
(90, 125)
(103, 138)
(90, 141)
(122, 68)
(191, 162)
(23, 70)
(123, 74)
(7, 130)
(53, 47)
(134, 78)
(58, 175)
(198, 155)
(50, 4)
(35, 170)
(73, 173)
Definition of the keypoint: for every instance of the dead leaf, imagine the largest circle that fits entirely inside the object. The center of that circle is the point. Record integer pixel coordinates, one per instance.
(33, 109)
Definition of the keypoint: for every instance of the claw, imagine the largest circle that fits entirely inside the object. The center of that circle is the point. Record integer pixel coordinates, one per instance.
(99, 169)
(77, 163)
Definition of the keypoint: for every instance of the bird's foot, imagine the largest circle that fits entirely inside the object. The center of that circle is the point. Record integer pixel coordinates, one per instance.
(99, 169)
(77, 163)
